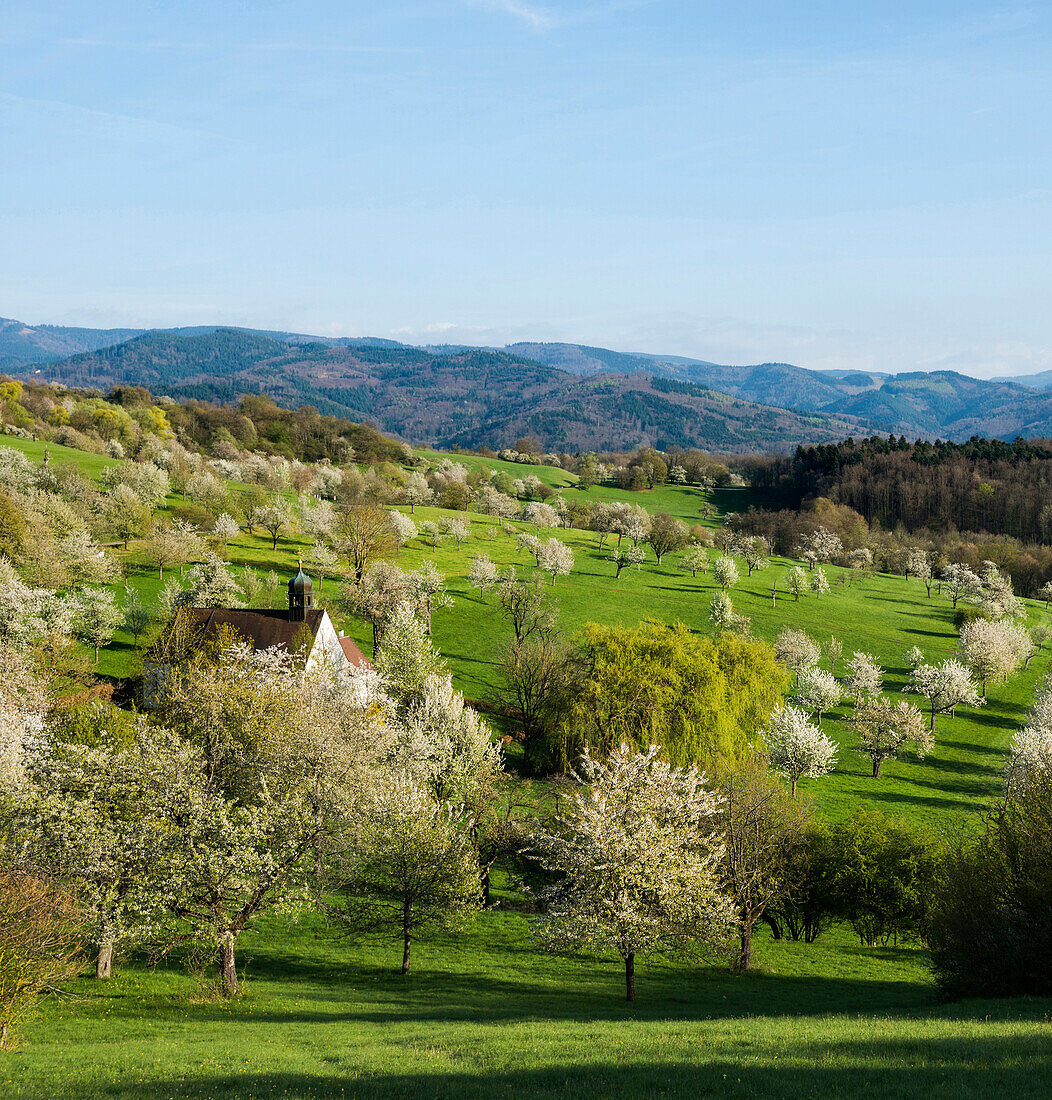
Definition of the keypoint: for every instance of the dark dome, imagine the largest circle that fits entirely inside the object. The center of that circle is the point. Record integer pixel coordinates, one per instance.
(300, 583)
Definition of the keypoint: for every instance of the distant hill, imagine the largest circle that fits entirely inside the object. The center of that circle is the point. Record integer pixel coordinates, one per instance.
(465, 397)
(21, 344)
(919, 404)
(566, 394)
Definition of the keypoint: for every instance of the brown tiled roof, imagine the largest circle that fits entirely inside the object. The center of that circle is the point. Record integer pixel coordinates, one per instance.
(353, 653)
(264, 629)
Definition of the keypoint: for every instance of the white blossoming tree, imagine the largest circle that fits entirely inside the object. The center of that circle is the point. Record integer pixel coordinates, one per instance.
(864, 676)
(637, 862)
(946, 687)
(725, 571)
(797, 747)
(993, 648)
(797, 651)
(818, 691)
(414, 866)
(556, 559)
(482, 573)
(884, 728)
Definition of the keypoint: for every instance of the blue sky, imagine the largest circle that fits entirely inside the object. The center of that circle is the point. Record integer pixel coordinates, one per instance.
(830, 184)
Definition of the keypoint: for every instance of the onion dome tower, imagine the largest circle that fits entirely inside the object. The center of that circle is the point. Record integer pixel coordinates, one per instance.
(301, 596)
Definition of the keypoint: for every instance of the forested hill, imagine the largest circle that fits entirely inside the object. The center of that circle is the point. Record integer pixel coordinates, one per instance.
(468, 397)
(920, 404)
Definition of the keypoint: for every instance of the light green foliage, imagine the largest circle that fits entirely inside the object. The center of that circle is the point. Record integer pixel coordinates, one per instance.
(701, 699)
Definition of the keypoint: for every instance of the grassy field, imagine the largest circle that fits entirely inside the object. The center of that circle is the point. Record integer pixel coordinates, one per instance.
(487, 1014)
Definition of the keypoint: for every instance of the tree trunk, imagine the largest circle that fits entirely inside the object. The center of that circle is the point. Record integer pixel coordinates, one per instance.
(795, 778)
(406, 937)
(160, 572)
(229, 966)
(775, 927)
(630, 977)
(96, 654)
(104, 959)
(274, 544)
(876, 767)
(744, 960)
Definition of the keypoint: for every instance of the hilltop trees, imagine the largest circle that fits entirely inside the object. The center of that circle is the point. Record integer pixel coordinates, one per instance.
(636, 861)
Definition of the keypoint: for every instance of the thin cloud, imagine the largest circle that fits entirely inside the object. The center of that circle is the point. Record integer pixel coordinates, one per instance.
(535, 17)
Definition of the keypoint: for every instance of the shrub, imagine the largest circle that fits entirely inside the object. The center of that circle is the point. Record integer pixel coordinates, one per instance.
(990, 927)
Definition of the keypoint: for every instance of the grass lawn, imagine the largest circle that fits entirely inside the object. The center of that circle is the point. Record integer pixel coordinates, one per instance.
(489, 1016)
(34, 449)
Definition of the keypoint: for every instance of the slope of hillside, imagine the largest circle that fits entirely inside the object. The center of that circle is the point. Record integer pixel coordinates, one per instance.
(21, 344)
(468, 398)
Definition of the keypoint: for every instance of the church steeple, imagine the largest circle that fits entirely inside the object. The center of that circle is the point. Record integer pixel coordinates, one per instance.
(301, 596)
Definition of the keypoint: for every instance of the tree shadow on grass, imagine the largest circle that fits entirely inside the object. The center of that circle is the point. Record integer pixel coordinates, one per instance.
(959, 1067)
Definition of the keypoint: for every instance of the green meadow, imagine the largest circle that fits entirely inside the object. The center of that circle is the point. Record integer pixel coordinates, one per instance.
(485, 1014)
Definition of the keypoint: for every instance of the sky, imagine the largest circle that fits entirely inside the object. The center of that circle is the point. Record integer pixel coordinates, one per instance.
(830, 184)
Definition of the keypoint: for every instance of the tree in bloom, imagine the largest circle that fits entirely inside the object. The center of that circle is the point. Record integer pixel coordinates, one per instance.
(555, 558)
(540, 515)
(1031, 751)
(834, 651)
(94, 816)
(457, 529)
(864, 676)
(885, 727)
(819, 582)
(403, 526)
(482, 573)
(629, 555)
(822, 545)
(756, 552)
(417, 491)
(1045, 593)
(413, 867)
(636, 862)
(796, 582)
(946, 687)
(384, 587)
(918, 564)
(797, 651)
(528, 543)
(797, 747)
(695, 560)
(725, 571)
(721, 612)
(958, 580)
(97, 618)
(993, 648)
(818, 691)
(211, 584)
(428, 588)
(225, 529)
